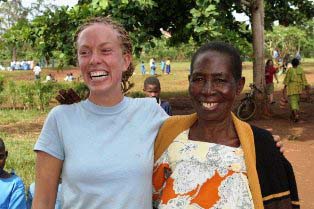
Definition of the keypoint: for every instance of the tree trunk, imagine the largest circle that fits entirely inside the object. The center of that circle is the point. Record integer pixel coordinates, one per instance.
(14, 57)
(257, 20)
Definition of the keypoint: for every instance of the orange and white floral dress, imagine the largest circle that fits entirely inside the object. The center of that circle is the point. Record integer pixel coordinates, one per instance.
(200, 175)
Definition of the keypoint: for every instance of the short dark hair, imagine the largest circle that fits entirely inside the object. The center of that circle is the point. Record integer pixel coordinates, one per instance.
(295, 62)
(268, 61)
(223, 48)
(152, 81)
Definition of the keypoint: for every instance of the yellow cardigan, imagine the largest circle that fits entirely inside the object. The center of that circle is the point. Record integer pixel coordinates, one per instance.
(177, 124)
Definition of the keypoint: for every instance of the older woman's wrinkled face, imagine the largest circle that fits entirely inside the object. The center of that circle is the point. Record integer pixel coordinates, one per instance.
(212, 86)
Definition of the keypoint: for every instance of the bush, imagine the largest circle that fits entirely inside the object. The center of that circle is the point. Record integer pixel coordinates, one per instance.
(13, 94)
(1, 83)
(27, 94)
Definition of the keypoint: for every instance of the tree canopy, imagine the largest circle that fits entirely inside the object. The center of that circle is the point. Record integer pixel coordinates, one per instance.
(50, 33)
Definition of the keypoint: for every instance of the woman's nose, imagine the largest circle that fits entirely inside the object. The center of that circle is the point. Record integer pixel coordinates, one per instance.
(95, 59)
(208, 87)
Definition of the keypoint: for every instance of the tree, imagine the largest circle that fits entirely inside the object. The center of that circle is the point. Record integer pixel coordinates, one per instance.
(10, 13)
(288, 39)
(255, 10)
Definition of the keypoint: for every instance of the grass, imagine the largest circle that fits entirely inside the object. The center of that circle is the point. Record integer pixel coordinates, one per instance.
(20, 129)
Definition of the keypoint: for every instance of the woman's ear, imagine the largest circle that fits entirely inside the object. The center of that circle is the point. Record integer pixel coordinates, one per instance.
(127, 61)
(240, 85)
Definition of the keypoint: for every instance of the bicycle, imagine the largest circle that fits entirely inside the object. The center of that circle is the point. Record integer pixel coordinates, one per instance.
(247, 107)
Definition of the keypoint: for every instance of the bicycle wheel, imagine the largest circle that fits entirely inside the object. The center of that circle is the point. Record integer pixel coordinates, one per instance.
(246, 110)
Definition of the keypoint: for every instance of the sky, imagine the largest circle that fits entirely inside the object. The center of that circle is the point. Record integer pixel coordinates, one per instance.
(27, 3)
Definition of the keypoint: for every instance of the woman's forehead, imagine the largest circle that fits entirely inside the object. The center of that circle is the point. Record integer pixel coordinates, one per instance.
(211, 61)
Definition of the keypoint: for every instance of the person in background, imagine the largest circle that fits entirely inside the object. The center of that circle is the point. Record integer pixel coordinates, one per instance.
(152, 89)
(211, 159)
(295, 82)
(276, 56)
(69, 77)
(162, 66)
(37, 71)
(49, 77)
(12, 194)
(168, 66)
(152, 64)
(143, 70)
(270, 73)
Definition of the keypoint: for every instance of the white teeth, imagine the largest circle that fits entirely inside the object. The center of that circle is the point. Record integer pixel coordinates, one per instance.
(98, 74)
(209, 105)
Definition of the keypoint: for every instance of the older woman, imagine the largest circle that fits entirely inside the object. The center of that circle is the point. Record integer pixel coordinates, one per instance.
(211, 159)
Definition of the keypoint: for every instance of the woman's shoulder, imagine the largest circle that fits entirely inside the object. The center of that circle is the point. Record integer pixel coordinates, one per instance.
(261, 133)
(143, 101)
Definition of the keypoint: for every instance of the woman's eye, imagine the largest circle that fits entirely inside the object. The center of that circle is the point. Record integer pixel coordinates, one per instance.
(106, 51)
(219, 80)
(84, 52)
(197, 79)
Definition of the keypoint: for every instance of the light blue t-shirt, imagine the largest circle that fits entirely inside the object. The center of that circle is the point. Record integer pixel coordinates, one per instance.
(12, 194)
(107, 152)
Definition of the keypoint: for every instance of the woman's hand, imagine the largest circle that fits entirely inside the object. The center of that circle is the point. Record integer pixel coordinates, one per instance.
(279, 143)
(68, 96)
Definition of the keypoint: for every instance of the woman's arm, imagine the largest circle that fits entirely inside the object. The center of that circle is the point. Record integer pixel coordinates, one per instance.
(48, 170)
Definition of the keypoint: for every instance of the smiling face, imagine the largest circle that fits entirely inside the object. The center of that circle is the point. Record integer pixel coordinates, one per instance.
(152, 90)
(101, 60)
(212, 86)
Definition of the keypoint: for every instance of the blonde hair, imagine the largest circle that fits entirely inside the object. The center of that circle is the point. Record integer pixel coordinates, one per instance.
(126, 44)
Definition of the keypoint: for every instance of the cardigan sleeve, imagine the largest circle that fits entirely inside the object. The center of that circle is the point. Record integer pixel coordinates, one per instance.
(276, 176)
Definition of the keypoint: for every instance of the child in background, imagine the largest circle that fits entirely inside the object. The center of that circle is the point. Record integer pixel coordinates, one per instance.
(162, 66)
(143, 70)
(152, 64)
(270, 72)
(295, 82)
(12, 194)
(168, 68)
(152, 89)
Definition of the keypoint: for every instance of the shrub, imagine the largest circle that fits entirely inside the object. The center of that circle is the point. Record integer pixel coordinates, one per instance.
(12, 94)
(27, 95)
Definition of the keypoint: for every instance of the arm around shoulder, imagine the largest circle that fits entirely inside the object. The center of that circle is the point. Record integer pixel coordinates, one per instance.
(48, 170)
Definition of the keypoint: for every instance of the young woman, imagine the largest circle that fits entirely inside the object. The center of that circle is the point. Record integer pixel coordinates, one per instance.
(103, 145)
(213, 160)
